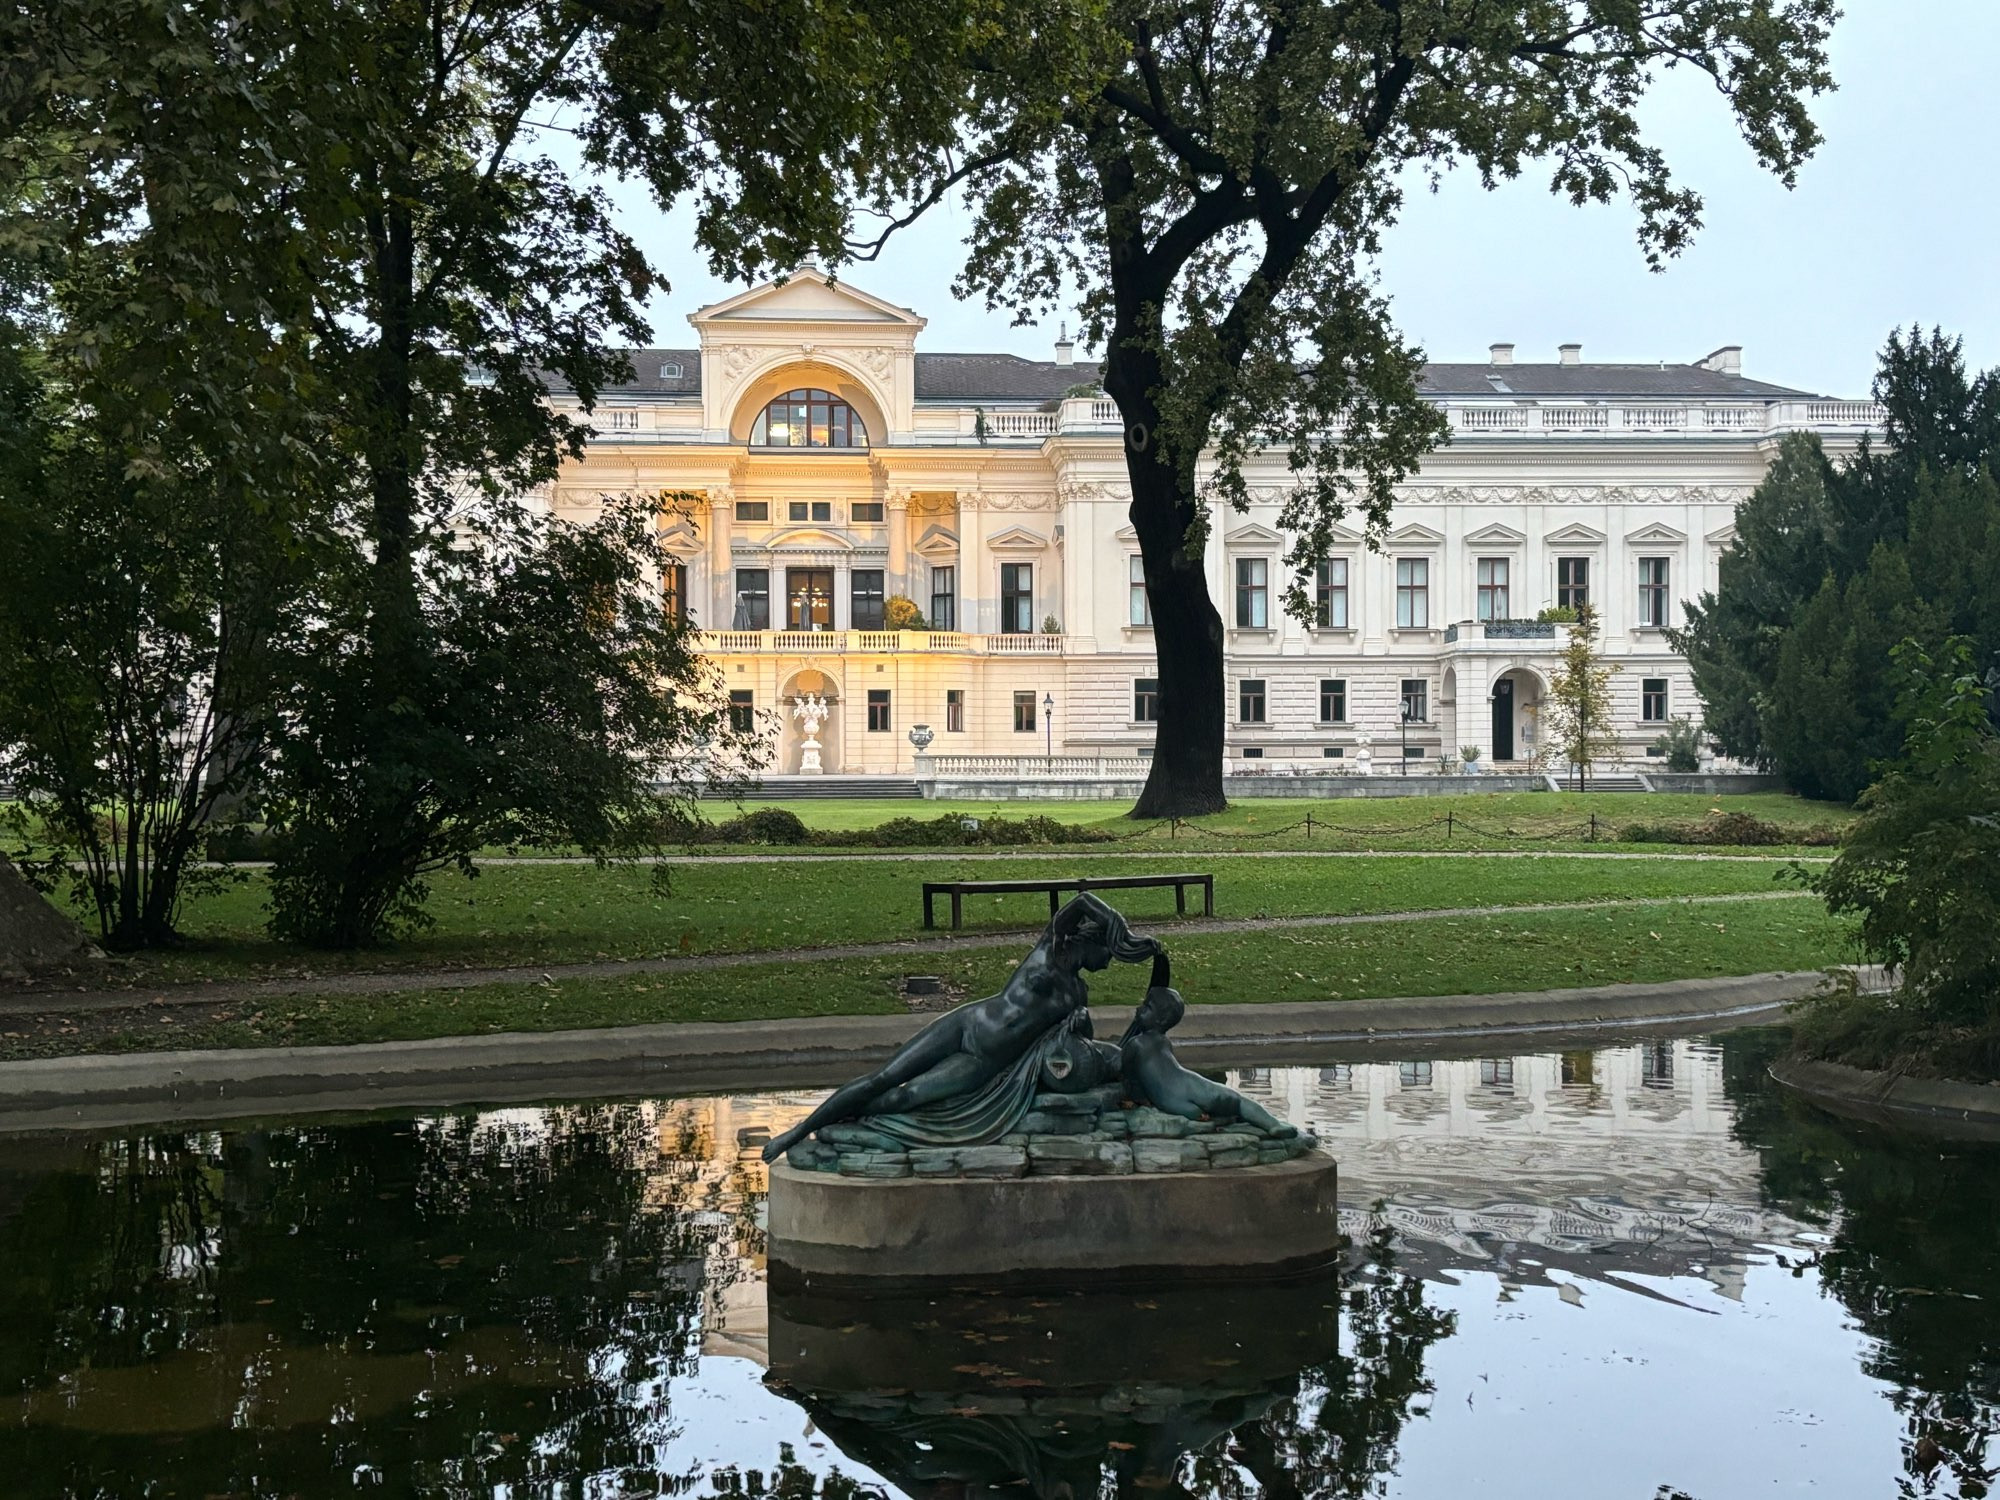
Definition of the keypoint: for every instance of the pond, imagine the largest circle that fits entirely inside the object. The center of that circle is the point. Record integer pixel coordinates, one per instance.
(1630, 1272)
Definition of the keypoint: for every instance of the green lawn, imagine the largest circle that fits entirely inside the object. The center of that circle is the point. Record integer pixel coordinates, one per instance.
(524, 914)
(1524, 951)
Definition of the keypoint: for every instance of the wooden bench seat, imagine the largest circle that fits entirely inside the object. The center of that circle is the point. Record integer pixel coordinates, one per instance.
(958, 890)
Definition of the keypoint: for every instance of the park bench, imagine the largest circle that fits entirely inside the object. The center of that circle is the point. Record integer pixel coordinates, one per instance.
(959, 889)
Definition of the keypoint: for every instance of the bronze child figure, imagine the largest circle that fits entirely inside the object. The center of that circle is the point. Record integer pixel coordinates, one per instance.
(1153, 1075)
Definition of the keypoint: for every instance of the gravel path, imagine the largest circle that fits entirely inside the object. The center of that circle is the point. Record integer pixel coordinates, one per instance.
(41, 1003)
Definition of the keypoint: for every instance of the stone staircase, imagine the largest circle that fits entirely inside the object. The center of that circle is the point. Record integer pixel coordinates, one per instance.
(791, 788)
(1601, 781)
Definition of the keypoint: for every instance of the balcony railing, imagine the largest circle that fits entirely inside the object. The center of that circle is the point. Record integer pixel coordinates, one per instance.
(874, 642)
(1501, 630)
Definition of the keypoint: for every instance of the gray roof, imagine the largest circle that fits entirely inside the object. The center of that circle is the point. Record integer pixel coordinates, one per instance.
(1008, 377)
(1581, 381)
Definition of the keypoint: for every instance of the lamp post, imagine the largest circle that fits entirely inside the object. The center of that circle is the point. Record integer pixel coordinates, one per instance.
(1049, 728)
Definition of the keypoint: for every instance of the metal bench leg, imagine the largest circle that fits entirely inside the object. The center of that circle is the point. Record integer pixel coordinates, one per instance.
(1180, 899)
(1208, 897)
(929, 917)
(1054, 901)
(955, 912)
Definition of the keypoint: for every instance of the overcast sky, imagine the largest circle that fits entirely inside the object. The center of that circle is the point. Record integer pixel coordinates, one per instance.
(1896, 218)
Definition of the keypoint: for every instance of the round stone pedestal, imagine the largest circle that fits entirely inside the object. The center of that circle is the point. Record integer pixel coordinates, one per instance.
(1227, 1223)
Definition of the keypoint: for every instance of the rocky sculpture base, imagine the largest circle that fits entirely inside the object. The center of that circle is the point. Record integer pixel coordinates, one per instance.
(1096, 1134)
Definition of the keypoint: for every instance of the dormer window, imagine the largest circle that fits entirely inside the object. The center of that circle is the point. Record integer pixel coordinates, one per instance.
(808, 419)
(670, 371)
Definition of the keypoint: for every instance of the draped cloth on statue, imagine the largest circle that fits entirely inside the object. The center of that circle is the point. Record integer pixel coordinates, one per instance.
(985, 1114)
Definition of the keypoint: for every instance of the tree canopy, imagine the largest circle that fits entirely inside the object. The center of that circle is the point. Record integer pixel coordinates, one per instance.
(1835, 564)
(1211, 179)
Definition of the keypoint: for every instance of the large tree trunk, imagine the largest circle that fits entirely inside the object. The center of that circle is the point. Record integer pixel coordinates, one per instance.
(1185, 779)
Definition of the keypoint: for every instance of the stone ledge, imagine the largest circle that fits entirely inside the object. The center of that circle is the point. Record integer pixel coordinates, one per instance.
(828, 1228)
(1936, 1106)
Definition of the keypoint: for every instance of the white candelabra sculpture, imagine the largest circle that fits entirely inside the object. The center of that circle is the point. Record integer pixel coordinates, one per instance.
(811, 712)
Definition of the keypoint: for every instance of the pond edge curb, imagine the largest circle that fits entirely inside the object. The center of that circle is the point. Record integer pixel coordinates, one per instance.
(104, 1091)
(1939, 1106)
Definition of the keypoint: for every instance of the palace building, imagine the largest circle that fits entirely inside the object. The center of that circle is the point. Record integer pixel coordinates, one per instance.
(830, 467)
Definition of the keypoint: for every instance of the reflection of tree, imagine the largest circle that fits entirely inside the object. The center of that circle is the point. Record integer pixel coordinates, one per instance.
(1913, 1254)
(463, 1305)
(1338, 1435)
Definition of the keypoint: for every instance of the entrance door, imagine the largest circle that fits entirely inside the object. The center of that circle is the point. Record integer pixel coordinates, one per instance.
(1503, 720)
(809, 598)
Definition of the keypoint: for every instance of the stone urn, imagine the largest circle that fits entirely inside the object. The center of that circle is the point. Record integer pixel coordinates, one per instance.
(811, 712)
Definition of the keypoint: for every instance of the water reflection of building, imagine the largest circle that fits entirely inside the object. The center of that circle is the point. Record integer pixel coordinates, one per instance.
(1596, 1163)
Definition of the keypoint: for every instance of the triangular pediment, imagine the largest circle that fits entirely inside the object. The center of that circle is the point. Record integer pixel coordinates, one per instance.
(1655, 534)
(809, 539)
(1576, 534)
(1342, 535)
(1252, 535)
(1017, 539)
(1125, 534)
(806, 296)
(937, 541)
(680, 538)
(1722, 536)
(1416, 534)
(1497, 535)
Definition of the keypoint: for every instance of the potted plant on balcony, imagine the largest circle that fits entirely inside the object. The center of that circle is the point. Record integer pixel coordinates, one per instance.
(1470, 755)
(1051, 625)
(899, 613)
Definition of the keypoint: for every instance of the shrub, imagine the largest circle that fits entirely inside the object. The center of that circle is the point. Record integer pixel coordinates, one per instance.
(1681, 745)
(1732, 828)
(900, 613)
(764, 825)
(1557, 614)
(233, 843)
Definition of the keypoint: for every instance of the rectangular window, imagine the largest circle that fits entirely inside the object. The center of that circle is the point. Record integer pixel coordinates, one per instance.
(1413, 593)
(1250, 700)
(1653, 700)
(1333, 752)
(809, 598)
(1017, 599)
(944, 598)
(812, 510)
(753, 510)
(1253, 591)
(1145, 700)
(753, 600)
(864, 599)
(1492, 601)
(878, 710)
(1496, 1073)
(1024, 713)
(1333, 700)
(954, 710)
(1414, 1075)
(1653, 591)
(1416, 700)
(1333, 594)
(742, 710)
(1572, 582)
(674, 587)
(1140, 611)
(1253, 752)
(865, 513)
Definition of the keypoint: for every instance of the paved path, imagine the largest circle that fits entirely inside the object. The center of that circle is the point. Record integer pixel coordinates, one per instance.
(88, 1002)
(103, 1092)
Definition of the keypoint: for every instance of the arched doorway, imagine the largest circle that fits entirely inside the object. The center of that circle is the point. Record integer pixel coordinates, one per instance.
(1516, 717)
(791, 736)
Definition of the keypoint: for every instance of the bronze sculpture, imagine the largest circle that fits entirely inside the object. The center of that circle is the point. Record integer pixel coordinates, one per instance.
(1001, 1064)
(973, 1073)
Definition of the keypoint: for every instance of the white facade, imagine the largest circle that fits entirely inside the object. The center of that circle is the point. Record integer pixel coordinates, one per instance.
(992, 489)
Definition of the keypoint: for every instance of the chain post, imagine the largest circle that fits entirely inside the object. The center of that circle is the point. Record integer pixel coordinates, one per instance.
(1593, 828)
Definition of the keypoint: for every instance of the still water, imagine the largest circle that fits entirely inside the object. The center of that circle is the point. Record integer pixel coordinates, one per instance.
(1636, 1273)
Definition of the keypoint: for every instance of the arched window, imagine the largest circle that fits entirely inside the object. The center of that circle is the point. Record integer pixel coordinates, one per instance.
(808, 419)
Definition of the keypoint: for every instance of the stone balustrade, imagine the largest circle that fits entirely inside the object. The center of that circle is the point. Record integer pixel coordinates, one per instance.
(1038, 767)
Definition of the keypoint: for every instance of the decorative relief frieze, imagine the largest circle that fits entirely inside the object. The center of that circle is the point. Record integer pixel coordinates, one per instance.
(1017, 500)
(736, 358)
(876, 362)
(1575, 494)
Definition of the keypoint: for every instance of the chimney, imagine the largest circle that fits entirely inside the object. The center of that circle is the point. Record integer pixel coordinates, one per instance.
(1728, 360)
(1065, 350)
(1571, 354)
(1500, 354)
